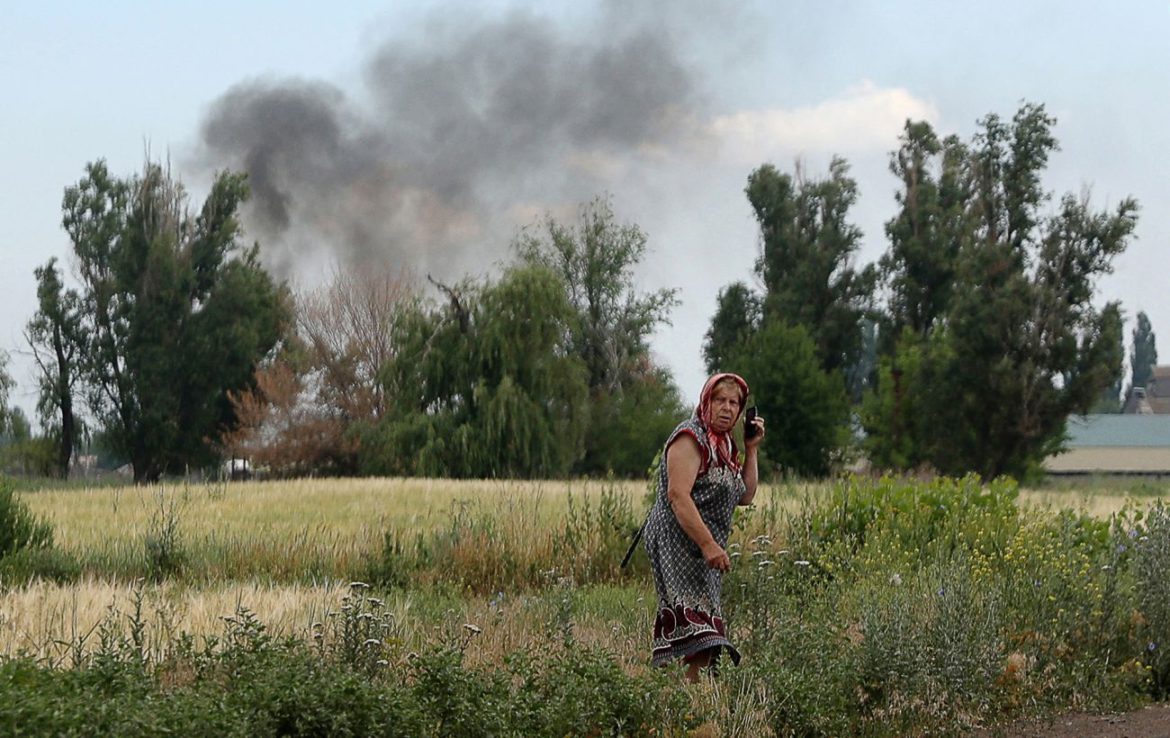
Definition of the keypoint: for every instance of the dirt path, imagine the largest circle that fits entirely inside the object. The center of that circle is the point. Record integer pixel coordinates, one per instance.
(1148, 722)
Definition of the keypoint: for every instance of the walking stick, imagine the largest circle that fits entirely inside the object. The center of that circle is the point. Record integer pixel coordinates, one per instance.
(634, 544)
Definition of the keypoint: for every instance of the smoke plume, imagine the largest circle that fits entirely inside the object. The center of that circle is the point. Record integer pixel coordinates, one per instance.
(456, 134)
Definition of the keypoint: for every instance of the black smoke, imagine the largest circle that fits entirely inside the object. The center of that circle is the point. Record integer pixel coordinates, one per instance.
(457, 126)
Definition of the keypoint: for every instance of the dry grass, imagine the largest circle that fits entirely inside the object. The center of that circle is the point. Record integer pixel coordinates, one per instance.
(48, 621)
(321, 528)
(332, 509)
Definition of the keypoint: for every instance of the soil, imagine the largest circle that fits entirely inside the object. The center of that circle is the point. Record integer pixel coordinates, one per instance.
(1148, 722)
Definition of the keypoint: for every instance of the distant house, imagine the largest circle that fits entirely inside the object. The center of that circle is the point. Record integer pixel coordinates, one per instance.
(1154, 398)
(1115, 444)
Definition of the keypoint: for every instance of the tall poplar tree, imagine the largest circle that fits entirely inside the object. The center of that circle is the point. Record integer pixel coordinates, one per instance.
(806, 262)
(1020, 345)
(55, 337)
(176, 312)
(1145, 351)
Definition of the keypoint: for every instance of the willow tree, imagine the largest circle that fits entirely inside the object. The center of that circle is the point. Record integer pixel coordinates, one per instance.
(484, 384)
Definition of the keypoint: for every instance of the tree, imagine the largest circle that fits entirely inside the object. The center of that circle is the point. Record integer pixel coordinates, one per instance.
(484, 386)
(595, 259)
(55, 337)
(1020, 345)
(737, 316)
(7, 417)
(806, 263)
(806, 407)
(177, 312)
(1144, 357)
(348, 328)
(926, 235)
(1109, 401)
(610, 327)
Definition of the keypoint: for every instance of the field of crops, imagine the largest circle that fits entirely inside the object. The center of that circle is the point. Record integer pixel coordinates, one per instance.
(427, 607)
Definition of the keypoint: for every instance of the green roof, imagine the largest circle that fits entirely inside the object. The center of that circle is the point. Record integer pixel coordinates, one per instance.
(1118, 430)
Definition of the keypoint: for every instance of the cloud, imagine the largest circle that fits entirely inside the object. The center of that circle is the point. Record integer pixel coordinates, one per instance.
(864, 119)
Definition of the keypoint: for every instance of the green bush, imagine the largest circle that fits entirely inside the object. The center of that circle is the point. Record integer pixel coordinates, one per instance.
(18, 527)
(27, 564)
(1151, 563)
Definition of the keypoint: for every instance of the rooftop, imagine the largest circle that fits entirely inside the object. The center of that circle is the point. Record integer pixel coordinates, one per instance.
(1118, 430)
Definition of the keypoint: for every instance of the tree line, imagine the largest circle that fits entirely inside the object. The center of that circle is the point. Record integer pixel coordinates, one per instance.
(964, 348)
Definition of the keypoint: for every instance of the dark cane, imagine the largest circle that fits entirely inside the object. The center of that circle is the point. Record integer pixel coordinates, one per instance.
(633, 546)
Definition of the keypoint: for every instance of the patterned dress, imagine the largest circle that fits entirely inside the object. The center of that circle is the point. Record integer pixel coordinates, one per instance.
(690, 619)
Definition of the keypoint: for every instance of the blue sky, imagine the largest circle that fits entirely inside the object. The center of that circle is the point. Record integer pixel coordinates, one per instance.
(761, 82)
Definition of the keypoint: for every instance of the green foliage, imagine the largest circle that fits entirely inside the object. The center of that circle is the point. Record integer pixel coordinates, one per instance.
(808, 245)
(737, 316)
(629, 427)
(175, 312)
(46, 563)
(1151, 557)
(507, 547)
(1015, 345)
(1144, 356)
(609, 330)
(935, 519)
(19, 528)
(927, 234)
(55, 336)
(248, 683)
(806, 407)
(611, 321)
(485, 387)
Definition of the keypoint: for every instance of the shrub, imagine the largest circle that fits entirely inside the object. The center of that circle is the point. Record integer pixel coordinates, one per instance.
(19, 529)
(1151, 562)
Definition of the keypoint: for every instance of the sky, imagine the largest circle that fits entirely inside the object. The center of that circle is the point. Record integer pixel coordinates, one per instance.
(426, 135)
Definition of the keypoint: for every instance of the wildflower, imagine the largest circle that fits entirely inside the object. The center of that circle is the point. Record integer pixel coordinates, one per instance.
(358, 585)
(896, 579)
(372, 642)
(375, 602)
(473, 629)
(382, 662)
(1151, 646)
(802, 562)
(764, 563)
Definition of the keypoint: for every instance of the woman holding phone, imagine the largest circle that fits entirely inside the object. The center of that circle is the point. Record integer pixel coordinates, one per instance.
(700, 481)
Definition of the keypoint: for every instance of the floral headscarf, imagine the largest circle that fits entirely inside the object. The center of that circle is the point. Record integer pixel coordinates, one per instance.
(723, 444)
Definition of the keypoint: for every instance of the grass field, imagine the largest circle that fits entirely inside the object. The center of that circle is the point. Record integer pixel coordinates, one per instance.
(837, 593)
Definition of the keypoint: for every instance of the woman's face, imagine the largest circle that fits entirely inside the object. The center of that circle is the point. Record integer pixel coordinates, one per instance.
(725, 405)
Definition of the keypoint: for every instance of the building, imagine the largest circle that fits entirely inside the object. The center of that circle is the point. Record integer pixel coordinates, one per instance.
(1115, 444)
(1154, 398)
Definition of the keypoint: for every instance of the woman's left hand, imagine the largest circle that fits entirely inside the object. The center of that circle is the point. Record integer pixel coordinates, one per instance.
(754, 441)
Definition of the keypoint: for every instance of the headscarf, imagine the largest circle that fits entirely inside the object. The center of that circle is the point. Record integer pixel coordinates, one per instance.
(723, 443)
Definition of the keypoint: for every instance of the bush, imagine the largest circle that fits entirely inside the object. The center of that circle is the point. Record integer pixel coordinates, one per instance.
(1151, 562)
(27, 564)
(19, 529)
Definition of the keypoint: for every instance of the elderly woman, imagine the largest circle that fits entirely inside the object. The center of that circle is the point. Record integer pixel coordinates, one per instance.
(700, 482)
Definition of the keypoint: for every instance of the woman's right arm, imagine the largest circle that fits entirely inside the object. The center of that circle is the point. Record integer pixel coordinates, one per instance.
(682, 468)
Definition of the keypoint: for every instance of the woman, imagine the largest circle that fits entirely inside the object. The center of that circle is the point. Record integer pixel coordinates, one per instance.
(700, 481)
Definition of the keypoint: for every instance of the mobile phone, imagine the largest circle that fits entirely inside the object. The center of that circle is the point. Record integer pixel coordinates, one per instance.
(749, 427)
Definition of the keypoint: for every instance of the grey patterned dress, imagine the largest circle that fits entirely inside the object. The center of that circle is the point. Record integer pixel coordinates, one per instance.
(689, 619)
